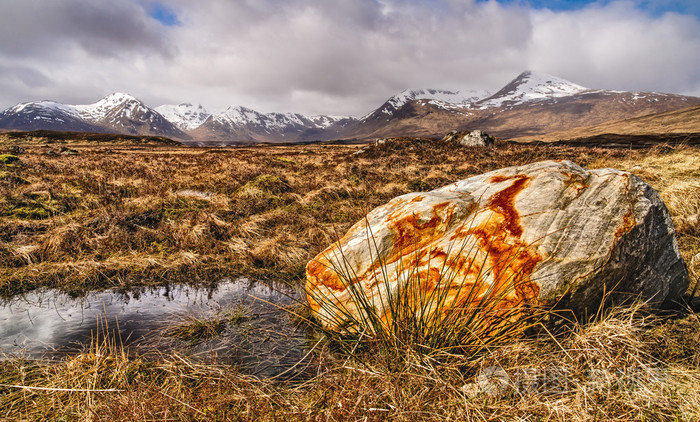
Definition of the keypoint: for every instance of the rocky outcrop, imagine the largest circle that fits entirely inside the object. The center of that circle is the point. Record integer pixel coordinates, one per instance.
(475, 138)
(544, 233)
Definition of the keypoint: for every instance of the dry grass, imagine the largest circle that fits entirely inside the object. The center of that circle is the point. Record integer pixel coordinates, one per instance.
(609, 370)
(198, 328)
(110, 216)
(114, 217)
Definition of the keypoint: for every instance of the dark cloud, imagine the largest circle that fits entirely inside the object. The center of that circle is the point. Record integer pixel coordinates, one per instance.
(35, 28)
(340, 57)
(376, 48)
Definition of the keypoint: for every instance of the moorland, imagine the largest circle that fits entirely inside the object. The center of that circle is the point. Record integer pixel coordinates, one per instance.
(123, 215)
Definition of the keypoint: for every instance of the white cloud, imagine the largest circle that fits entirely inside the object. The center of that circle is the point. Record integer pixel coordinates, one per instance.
(339, 57)
(619, 47)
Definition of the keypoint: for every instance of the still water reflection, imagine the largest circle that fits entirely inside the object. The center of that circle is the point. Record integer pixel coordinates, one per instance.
(264, 342)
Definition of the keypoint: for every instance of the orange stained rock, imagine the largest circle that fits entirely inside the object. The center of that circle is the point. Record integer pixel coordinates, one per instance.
(503, 202)
(486, 256)
(628, 222)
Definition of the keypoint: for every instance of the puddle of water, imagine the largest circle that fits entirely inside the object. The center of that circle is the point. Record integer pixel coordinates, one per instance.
(265, 342)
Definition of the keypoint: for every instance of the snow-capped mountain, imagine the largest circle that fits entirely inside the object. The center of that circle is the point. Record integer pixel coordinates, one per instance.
(531, 86)
(274, 122)
(48, 115)
(248, 125)
(125, 114)
(533, 103)
(99, 110)
(185, 116)
(441, 98)
(115, 113)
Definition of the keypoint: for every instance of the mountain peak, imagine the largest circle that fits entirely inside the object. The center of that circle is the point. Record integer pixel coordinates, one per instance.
(119, 97)
(185, 116)
(46, 106)
(532, 77)
(99, 110)
(238, 115)
(532, 86)
(439, 97)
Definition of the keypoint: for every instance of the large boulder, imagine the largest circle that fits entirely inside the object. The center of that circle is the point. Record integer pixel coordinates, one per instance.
(543, 233)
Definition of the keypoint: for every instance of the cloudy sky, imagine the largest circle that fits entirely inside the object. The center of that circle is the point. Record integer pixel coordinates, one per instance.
(335, 56)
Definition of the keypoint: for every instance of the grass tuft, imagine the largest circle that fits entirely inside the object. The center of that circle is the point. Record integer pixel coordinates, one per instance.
(466, 308)
(196, 329)
(8, 159)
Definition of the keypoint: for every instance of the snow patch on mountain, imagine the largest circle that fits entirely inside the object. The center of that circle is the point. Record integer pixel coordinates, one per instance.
(324, 121)
(450, 97)
(47, 107)
(185, 116)
(237, 116)
(531, 86)
(447, 100)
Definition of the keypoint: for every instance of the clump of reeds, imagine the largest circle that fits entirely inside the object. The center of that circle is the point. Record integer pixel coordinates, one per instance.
(468, 307)
(199, 328)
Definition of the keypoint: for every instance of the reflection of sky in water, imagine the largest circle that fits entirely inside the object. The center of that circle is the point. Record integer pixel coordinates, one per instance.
(41, 322)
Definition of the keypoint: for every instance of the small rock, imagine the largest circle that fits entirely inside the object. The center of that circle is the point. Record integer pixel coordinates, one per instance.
(68, 151)
(493, 381)
(475, 138)
(206, 196)
(16, 150)
(471, 390)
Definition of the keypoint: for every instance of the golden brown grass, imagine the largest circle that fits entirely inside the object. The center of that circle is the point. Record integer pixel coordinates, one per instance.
(197, 328)
(616, 368)
(123, 216)
(120, 215)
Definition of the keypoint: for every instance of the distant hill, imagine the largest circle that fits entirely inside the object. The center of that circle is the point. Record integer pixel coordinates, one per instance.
(49, 137)
(677, 122)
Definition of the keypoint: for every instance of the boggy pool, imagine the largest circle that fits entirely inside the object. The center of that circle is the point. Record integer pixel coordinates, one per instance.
(257, 335)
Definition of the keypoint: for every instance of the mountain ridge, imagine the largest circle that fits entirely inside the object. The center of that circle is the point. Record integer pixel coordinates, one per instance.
(114, 113)
(531, 104)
